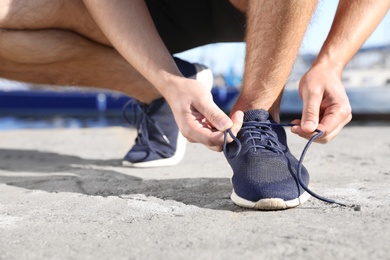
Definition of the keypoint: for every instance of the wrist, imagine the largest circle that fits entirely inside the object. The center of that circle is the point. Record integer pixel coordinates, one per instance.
(329, 62)
(169, 85)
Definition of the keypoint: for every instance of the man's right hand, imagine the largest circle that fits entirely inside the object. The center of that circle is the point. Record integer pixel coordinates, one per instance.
(199, 119)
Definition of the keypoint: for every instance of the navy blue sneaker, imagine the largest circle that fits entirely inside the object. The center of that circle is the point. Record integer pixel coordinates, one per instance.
(159, 141)
(264, 170)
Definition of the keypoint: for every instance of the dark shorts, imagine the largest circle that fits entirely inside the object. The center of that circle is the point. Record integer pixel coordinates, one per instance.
(186, 24)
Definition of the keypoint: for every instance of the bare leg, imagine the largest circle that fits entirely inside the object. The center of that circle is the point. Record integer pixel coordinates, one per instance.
(63, 58)
(33, 53)
(274, 33)
(50, 14)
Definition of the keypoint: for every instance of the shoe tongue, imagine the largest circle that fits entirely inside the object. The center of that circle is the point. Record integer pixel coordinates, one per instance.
(259, 115)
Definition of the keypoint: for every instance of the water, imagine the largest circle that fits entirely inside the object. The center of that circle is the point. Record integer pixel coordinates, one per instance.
(370, 106)
(19, 122)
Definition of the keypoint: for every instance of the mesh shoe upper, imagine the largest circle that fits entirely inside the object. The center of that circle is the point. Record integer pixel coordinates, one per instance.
(157, 133)
(262, 164)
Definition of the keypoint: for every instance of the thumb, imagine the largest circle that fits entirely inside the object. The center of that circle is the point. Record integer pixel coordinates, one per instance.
(237, 118)
(310, 114)
(217, 118)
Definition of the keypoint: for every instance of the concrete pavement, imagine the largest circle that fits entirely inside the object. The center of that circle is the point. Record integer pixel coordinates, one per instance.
(65, 195)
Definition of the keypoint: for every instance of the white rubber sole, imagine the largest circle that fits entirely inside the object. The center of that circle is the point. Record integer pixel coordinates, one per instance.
(269, 203)
(174, 160)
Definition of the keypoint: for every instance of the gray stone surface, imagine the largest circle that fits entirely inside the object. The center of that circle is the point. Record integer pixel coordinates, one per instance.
(65, 195)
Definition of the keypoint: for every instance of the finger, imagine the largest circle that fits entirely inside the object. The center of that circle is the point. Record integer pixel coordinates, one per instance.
(198, 133)
(216, 117)
(297, 129)
(215, 139)
(311, 112)
(237, 119)
(333, 123)
(215, 148)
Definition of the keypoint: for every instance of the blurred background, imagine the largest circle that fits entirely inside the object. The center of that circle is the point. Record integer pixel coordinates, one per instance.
(366, 78)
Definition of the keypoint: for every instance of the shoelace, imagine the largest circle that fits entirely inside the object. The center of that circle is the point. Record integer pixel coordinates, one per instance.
(263, 128)
(142, 119)
(256, 131)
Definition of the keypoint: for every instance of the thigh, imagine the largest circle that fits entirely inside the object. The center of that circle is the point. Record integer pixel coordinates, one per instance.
(49, 14)
(188, 24)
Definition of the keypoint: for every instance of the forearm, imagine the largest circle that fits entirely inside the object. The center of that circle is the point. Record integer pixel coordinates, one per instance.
(353, 24)
(130, 29)
(273, 36)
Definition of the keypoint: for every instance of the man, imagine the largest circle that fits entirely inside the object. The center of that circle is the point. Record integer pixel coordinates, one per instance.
(127, 46)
